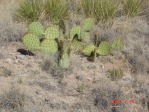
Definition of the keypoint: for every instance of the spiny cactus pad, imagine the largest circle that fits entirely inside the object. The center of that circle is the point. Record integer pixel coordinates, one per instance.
(64, 61)
(117, 44)
(49, 46)
(76, 30)
(36, 28)
(76, 45)
(31, 42)
(52, 33)
(104, 48)
(88, 24)
(88, 49)
(85, 36)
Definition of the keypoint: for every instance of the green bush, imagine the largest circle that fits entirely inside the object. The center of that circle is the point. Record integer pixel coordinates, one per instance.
(29, 10)
(56, 9)
(101, 9)
(132, 7)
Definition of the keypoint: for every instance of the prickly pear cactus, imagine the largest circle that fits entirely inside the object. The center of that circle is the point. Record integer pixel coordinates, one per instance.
(104, 48)
(76, 30)
(88, 49)
(117, 44)
(64, 61)
(36, 28)
(52, 33)
(49, 46)
(85, 36)
(31, 42)
(88, 24)
(77, 46)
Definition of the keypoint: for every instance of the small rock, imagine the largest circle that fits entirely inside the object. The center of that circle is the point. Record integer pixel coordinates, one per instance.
(20, 56)
(8, 60)
(80, 77)
(126, 81)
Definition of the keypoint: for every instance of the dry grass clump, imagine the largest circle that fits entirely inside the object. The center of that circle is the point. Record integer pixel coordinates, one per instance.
(29, 10)
(10, 31)
(12, 101)
(56, 9)
(132, 7)
(103, 10)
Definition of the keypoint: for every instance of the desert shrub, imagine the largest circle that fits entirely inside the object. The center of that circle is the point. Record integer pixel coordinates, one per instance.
(13, 101)
(88, 7)
(56, 9)
(29, 10)
(132, 7)
(103, 10)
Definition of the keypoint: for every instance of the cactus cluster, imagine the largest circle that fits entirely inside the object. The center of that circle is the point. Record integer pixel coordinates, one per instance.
(83, 31)
(104, 48)
(32, 39)
(52, 40)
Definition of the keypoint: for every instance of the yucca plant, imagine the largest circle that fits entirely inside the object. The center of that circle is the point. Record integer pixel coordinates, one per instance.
(29, 10)
(88, 7)
(103, 10)
(132, 7)
(106, 9)
(56, 9)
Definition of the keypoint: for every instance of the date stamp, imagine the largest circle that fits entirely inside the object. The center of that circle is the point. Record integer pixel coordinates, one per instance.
(117, 101)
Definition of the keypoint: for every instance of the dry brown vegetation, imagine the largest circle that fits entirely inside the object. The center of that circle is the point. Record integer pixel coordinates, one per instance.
(33, 84)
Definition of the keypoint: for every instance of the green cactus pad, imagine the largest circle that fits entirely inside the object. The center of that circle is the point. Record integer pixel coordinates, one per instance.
(88, 24)
(64, 61)
(49, 46)
(104, 48)
(77, 46)
(36, 28)
(76, 30)
(88, 49)
(52, 33)
(31, 42)
(117, 44)
(85, 36)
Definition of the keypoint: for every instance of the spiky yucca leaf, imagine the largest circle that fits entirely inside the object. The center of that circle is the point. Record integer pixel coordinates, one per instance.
(87, 24)
(49, 46)
(52, 33)
(36, 28)
(76, 30)
(88, 49)
(117, 44)
(31, 42)
(104, 48)
(64, 61)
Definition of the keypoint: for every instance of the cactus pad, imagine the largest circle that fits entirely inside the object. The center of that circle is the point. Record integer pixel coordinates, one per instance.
(52, 33)
(49, 46)
(117, 44)
(104, 48)
(88, 49)
(64, 61)
(85, 36)
(88, 24)
(31, 42)
(76, 45)
(76, 30)
(36, 28)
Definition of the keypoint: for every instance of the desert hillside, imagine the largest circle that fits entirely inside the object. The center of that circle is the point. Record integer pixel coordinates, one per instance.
(33, 81)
